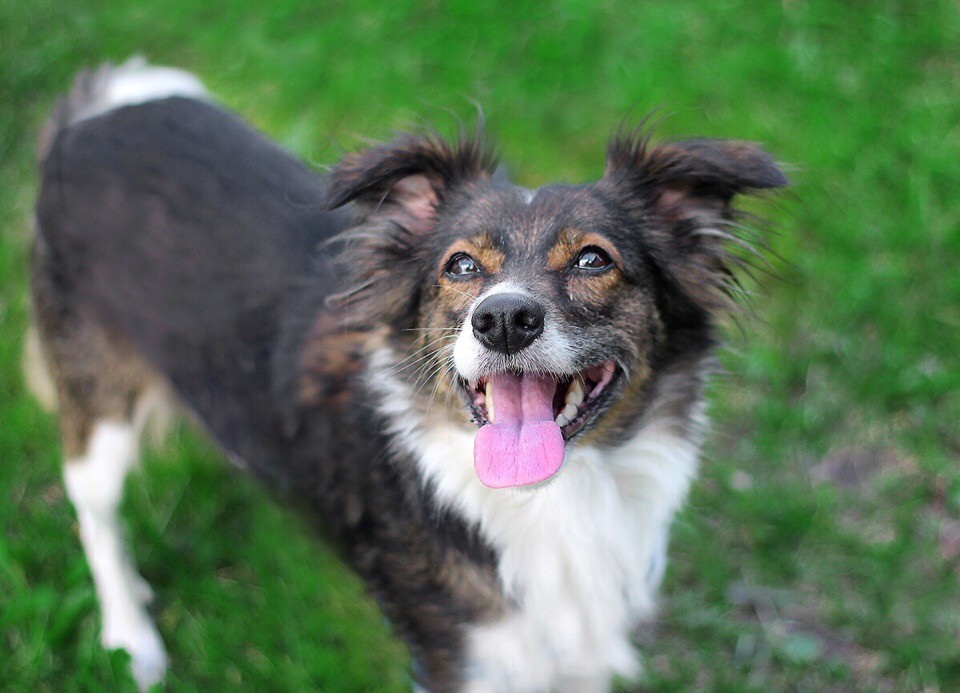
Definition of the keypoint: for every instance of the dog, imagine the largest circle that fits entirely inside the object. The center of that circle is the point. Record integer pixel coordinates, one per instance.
(490, 397)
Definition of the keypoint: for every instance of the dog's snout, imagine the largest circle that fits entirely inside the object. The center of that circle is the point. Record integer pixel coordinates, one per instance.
(507, 322)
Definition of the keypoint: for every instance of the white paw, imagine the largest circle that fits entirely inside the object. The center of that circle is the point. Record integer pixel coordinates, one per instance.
(139, 637)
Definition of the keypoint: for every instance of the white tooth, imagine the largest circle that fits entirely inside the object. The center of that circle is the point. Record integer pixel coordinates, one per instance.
(569, 411)
(561, 420)
(575, 393)
(489, 400)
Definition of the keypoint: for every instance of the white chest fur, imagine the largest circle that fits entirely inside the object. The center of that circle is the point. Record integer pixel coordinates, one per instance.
(581, 556)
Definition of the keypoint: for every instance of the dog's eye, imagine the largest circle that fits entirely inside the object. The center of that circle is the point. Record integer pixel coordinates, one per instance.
(592, 258)
(462, 265)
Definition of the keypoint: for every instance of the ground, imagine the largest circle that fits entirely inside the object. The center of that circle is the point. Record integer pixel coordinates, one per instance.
(821, 546)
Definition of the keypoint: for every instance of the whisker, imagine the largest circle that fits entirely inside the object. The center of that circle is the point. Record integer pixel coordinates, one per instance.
(443, 364)
(462, 293)
(426, 346)
(422, 362)
(448, 369)
(415, 358)
(431, 375)
(424, 368)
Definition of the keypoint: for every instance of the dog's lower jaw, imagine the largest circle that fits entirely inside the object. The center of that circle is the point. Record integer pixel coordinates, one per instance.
(580, 557)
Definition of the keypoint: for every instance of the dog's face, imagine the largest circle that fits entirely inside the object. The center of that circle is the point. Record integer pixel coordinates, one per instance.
(540, 316)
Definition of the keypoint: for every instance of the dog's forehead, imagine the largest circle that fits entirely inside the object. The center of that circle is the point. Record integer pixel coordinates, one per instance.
(527, 224)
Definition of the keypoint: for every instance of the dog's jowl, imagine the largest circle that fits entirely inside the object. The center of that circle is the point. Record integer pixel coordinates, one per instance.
(491, 396)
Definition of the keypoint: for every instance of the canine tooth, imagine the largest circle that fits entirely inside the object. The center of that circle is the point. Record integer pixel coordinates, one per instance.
(569, 411)
(489, 400)
(561, 420)
(575, 393)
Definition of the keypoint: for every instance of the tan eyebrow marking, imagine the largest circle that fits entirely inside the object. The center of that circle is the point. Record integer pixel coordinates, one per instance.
(571, 241)
(482, 249)
(594, 238)
(562, 252)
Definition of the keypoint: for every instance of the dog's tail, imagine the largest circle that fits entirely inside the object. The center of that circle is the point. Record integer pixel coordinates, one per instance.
(98, 90)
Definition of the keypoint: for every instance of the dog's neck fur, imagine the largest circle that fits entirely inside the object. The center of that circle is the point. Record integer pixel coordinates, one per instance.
(579, 558)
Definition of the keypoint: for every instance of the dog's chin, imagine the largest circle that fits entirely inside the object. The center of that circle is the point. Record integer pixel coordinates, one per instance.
(527, 420)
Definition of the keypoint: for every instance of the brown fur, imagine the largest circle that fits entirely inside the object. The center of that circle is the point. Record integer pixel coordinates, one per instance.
(564, 250)
(332, 358)
(481, 248)
(98, 376)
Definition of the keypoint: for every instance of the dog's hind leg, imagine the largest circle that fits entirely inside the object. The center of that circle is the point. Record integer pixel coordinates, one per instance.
(94, 482)
(103, 391)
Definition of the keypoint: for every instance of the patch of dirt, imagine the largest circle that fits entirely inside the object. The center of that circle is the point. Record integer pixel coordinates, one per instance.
(792, 625)
(950, 541)
(854, 467)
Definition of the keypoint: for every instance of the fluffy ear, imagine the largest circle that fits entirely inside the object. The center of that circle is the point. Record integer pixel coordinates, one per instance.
(405, 181)
(399, 189)
(685, 191)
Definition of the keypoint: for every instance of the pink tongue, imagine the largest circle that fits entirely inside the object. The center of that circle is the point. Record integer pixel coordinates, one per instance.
(524, 445)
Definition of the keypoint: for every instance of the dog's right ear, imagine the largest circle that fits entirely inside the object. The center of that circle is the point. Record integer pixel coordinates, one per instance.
(406, 180)
(398, 188)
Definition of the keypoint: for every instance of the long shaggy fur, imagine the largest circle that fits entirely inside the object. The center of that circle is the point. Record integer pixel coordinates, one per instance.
(335, 355)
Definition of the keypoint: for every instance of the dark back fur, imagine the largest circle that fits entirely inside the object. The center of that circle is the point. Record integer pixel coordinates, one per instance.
(202, 243)
(209, 249)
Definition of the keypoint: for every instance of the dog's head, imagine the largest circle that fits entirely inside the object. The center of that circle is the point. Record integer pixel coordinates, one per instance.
(541, 315)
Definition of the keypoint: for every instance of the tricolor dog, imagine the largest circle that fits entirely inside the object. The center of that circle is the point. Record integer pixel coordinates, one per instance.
(491, 396)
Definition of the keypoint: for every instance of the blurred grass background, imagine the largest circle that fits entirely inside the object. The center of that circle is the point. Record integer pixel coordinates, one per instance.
(820, 549)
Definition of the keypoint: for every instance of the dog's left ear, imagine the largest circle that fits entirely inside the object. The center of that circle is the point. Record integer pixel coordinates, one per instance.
(706, 170)
(685, 190)
(398, 189)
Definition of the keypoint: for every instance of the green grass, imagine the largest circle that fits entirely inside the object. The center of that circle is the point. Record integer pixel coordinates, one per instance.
(781, 577)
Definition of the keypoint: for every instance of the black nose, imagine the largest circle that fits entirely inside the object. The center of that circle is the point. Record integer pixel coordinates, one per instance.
(507, 322)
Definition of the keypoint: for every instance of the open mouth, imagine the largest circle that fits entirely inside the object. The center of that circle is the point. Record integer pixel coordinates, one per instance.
(575, 397)
(525, 420)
